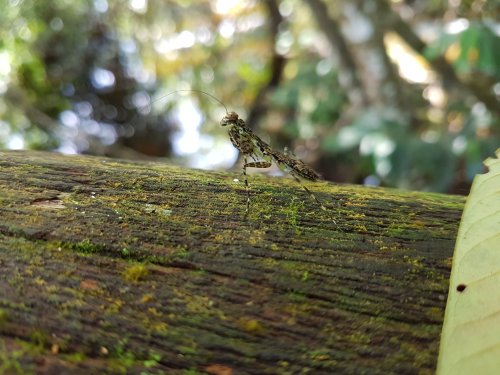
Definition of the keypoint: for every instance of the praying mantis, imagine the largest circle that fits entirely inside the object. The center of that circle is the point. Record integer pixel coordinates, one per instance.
(258, 154)
(262, 155)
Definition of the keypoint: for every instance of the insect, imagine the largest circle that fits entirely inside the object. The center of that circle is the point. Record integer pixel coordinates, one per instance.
(260, 153)
(251, 146)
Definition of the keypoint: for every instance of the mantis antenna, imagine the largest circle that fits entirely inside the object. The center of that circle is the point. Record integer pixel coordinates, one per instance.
(200, 91)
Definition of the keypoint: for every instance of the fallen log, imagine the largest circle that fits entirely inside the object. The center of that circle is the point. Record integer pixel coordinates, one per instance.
(110, 266)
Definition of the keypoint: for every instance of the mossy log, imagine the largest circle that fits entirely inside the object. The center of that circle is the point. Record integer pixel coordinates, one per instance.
(111, 266)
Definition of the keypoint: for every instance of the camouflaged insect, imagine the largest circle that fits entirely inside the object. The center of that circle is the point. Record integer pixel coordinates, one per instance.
(251, 146)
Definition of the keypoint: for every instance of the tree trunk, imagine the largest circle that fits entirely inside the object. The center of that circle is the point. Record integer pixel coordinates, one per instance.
(113, 266)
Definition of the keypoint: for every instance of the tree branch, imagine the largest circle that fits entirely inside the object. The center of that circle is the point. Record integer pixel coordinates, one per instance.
(127, 267)
(277, 65)
(330, 27)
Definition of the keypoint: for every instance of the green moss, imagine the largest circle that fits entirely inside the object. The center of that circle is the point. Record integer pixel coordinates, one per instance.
(182, 252)
(305, 276)
(296, 297)
(4, 315)
(359, 338)
(153, 360)
(251, 325)
(125, 252)
(436, 314)
(40, 338)
(191, 371)
(11, 361)
(135, 272)
(188, 350)
(87, 247)
(75, 357)
(322, 357)
(292, 212)
(121, 358)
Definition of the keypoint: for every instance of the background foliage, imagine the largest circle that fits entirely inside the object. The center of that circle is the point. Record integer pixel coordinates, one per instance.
(398, 93)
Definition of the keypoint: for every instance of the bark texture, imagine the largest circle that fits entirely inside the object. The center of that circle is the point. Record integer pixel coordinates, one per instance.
(113, 266)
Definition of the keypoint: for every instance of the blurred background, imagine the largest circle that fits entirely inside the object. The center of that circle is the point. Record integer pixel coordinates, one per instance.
(401, 93)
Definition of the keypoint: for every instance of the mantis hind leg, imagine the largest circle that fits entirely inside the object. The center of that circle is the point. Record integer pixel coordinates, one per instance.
(312, 195)
(246, 184)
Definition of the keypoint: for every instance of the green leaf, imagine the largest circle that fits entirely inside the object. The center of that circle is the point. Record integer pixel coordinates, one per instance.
(478, 45)
(470, 339)
(489, 58)
(437, 48)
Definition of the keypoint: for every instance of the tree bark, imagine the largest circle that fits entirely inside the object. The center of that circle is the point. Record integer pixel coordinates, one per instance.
(113, 266)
